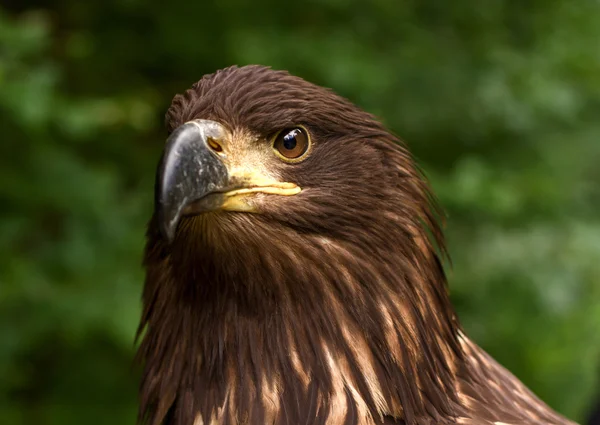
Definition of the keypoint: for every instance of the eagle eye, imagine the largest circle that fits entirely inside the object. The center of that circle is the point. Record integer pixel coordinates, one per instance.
(292, 144)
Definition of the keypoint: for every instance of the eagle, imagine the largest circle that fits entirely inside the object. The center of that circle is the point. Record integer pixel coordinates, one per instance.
(294, 272)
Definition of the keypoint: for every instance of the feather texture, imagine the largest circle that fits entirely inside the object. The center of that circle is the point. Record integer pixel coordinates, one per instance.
(330, 308)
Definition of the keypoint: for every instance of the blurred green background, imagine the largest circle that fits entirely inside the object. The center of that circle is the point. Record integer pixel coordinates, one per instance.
(499, 100)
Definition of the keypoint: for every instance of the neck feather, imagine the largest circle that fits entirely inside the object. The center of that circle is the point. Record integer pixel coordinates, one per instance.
(313, 327)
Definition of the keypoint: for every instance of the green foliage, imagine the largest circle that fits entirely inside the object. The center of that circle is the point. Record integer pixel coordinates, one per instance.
(499, 102)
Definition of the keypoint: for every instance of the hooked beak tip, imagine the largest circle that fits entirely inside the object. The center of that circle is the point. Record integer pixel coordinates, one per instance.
(188, 170)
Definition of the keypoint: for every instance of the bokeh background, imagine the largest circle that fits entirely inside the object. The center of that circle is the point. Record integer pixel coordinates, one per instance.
(499, 101)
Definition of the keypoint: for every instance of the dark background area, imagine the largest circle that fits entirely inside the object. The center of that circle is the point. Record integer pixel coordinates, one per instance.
(499, 100)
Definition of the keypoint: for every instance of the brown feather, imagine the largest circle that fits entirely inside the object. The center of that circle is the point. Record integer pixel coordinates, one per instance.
(329, 309)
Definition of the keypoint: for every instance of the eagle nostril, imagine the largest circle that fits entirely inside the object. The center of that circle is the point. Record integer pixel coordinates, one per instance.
(214, 145)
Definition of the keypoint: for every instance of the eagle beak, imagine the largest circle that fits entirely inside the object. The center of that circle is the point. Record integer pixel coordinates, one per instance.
(193, 176)
(189, 171)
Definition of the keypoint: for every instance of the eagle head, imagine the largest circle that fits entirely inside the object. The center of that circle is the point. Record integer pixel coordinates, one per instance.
(293, 269)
